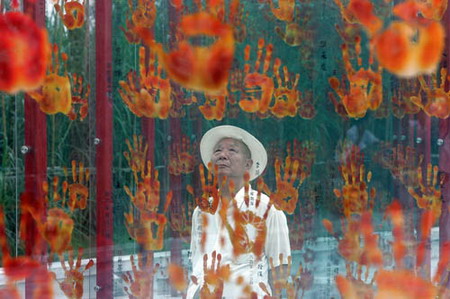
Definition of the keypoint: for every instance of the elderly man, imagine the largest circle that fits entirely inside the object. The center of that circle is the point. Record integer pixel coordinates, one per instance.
(235, 151)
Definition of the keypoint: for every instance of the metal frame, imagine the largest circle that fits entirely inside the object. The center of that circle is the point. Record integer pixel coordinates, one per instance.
(35, 132)
(104, 149)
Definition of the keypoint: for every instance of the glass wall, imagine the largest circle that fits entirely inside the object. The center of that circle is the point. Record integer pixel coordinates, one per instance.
(104, 192)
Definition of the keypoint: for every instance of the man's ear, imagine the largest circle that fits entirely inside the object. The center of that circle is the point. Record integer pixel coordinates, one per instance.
(248, 164)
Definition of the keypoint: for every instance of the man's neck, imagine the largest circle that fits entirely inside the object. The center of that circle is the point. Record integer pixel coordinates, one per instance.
(225, 187)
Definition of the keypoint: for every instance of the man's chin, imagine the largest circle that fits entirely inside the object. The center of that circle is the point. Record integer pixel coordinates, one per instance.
(223, 172)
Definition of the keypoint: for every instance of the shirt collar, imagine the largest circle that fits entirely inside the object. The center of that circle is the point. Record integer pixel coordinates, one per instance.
(239, 197)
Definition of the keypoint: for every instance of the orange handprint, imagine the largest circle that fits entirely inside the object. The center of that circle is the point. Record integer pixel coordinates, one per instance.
(339, 107)
(349, 33)
(62, 93)
(180, 99)
(142, 16)
(55, 94)
(181, 223)
(216, 111)
(402, 162)
(408, 47)
(73, 15)
(246, 219)
(141, 230)
(280, 276)
(294, 34)
(19, 31)
(181, 157)
(304, 153)
(360, 11)
(195, 67)
(429, 196)
(365, 86)
(214, 277)
(243, 218)
(137, 155)
(256, 82)
(285, 10)
(72, 285)
(282, 279)
(286, 195)
(354, 195)
(209, 200)
(147, 195)
(359, 244)
(141, 93)
(140, 280)
(80, 96)
(146, 200)
(287, 97)
(78, 187)
(408, 283)
(437, 102)
(57, 227)
(410, 57)
(56, 230)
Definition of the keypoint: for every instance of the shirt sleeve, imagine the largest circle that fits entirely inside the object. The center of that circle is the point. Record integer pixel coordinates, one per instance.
(277, 239)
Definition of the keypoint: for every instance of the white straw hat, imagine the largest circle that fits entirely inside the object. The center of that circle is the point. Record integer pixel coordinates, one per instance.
(257, 150)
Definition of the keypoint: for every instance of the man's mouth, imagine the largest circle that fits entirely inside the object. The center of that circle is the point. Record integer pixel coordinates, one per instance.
(222, 165)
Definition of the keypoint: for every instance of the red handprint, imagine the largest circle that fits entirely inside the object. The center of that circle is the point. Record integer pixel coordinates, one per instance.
(73, 15)
(258, 81)
(147, 94)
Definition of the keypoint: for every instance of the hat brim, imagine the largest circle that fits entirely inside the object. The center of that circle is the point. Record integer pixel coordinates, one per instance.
(257, 150)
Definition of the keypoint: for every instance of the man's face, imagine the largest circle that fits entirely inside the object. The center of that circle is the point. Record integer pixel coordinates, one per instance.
(232, 158)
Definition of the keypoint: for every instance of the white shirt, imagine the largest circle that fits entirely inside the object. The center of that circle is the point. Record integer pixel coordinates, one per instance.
(247, 265)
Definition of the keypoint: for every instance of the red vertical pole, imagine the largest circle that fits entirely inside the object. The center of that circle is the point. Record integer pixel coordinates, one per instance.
(175, 133)
(427, 139)
(36, 158)
(175, 186)
(427, 160)
(444, 160)
(444, 167)
(104, 151)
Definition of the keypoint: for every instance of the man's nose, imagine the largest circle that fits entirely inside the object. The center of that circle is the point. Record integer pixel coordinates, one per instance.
(222, 154)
